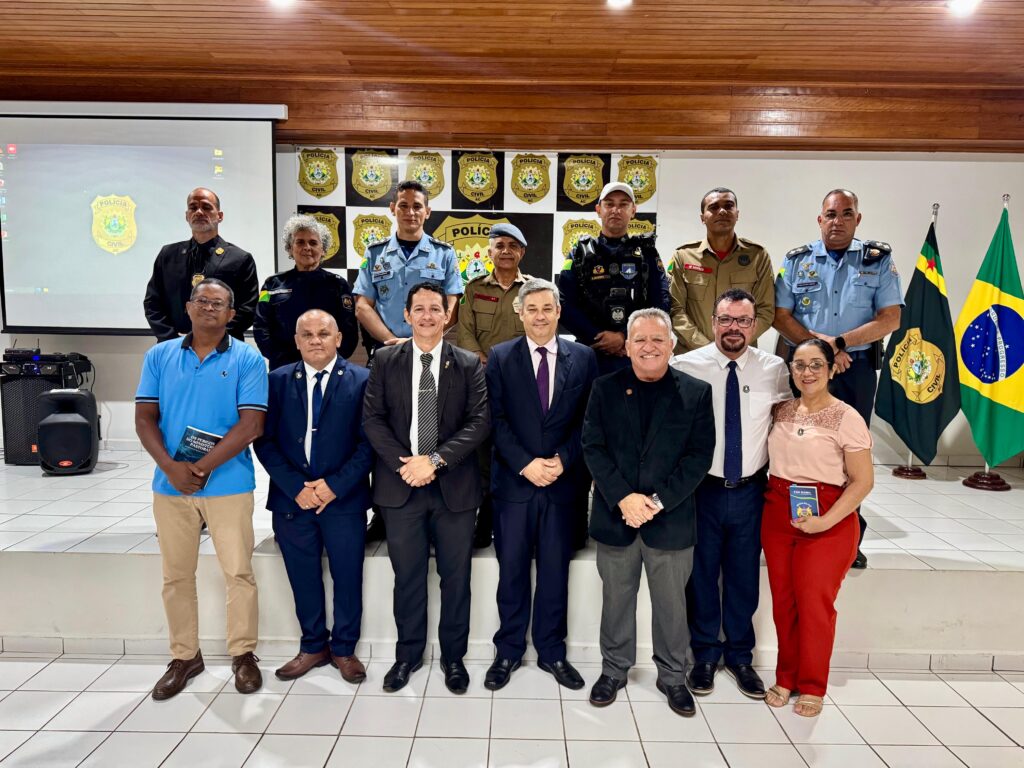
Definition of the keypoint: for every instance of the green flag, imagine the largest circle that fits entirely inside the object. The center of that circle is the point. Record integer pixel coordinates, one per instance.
(990, 334)
(919, 390)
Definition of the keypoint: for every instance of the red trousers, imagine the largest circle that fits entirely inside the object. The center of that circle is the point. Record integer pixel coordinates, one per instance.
(804, 572)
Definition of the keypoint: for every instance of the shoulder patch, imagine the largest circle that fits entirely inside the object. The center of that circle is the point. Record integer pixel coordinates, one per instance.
(567, 264)
(879, 245)
(875, 250)
(264, 296)
(798, 251)
(782, 271)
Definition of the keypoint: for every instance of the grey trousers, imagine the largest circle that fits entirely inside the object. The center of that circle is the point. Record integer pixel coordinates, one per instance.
(667, 574)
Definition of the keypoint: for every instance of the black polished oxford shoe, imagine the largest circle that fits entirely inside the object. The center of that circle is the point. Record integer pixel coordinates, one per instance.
(398, 675)
(564, 672)
(679, 699)
(747, 680)
(456, 677)
(702, 678)
(499, 673)
(605, 690)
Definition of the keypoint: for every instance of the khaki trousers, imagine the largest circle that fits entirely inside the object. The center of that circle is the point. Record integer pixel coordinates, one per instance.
(179, 520)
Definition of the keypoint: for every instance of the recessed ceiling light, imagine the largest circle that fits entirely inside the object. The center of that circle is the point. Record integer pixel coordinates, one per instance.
(282, 3)
(962, 7)
(619, 4)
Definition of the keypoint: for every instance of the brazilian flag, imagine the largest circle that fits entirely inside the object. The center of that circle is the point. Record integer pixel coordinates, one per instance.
(919, 390)
(990, 333)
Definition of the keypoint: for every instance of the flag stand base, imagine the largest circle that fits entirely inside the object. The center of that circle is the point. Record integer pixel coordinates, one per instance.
(910, 473)
(987, 481)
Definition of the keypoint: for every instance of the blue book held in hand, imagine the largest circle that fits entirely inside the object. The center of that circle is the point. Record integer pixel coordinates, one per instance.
(195, 444)
(803, 501)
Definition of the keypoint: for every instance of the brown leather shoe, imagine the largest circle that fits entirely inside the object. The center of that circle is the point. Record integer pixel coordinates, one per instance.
(248, 678)
(302, 663)
(178, 673)
(351, 668)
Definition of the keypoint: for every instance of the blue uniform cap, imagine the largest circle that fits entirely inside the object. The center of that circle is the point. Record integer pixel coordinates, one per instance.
(508, 230)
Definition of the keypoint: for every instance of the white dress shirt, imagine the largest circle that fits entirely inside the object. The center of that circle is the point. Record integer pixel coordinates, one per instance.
(417, 369)
(552, 348)
(764, 381)
(311, 372)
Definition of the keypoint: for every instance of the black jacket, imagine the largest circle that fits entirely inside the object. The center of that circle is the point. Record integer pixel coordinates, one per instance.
(463, 423)
(285, 296)
(671, 462)
(171, 284)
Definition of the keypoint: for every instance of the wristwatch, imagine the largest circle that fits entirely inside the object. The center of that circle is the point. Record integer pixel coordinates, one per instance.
(437, 461)
(840, 343)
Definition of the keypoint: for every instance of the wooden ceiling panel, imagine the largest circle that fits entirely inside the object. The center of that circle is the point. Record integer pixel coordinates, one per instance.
(663, 73)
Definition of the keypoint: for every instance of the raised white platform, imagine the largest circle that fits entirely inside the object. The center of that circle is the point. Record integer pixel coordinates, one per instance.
(946, 565)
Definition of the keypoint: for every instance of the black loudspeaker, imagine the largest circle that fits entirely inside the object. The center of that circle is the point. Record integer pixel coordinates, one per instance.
(21, 414)
(68, 431)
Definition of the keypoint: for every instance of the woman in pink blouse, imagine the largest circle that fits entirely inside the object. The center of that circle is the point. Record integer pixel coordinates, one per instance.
(821, 442)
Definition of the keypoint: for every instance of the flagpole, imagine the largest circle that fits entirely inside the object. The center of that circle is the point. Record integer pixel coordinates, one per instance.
(988, 480)
(908, 471)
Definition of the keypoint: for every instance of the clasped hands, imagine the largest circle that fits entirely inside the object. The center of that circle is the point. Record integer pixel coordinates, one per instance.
(637, 509)
(417, 471)
(186, 477)
(543, 472)
(610, 343)
(315, 495)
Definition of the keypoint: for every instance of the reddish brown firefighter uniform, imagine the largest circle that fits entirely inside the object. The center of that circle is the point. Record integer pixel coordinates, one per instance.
(699, 277)
(486, 314)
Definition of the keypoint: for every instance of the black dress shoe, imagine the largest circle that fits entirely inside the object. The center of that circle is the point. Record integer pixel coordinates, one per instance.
(605, 690)
(747, 680)
(499, 673)
(456, 678)
(398, 675)
(679, 699)
(564, 672)
(702, 678)
(860, 561)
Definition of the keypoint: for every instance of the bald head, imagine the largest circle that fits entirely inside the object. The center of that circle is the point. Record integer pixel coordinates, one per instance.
(317, 338)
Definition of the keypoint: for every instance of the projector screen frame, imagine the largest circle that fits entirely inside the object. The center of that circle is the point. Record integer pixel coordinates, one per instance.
(138, 332)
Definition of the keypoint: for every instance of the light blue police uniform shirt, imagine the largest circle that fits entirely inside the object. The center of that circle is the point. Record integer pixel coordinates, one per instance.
(387, 276)
(206, 395)
(834, 297)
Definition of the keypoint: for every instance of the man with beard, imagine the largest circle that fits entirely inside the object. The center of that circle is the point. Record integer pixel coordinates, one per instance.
(745, 383)
(180, 267)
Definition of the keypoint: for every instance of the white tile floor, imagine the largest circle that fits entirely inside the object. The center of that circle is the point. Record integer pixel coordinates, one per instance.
(936, 524)
(96, 711)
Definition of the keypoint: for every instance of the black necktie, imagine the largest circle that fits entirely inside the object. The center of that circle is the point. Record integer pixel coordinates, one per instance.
(427, 409)
(733, 429)
(318, 402)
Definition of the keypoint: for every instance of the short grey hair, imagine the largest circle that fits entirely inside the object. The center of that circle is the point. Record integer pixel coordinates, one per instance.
(650, 313)
(214, 282)
(303, 221)
(536, 285)
(317, 313)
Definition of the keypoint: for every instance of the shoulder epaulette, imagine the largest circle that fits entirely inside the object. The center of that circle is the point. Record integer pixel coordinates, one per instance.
(875, 250)
(798, 251)
(749, 243)
(694, 244)
(435, 241)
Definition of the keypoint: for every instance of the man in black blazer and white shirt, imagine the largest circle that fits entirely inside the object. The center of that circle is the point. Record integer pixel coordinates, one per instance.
(648, 439)
(425, 413)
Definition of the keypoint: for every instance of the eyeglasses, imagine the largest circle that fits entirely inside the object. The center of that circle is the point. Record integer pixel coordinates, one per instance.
(816, 366)
(743, 322)
(215, 304)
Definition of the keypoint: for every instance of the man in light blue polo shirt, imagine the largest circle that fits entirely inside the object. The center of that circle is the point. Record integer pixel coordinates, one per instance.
(846, 292)
(201, 401)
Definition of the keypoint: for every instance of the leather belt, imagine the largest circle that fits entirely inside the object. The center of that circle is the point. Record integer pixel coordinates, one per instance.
(761, 475)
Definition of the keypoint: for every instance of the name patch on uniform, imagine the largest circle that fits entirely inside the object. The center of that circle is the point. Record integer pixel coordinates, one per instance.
(811, 284)
(698, 268)
(487, 298)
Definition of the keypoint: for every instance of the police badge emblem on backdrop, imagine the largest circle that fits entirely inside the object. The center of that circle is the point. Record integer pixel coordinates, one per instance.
(641, 173)
(318, 171)
(581, 178)
(479, 180)
(368, 229)
(428, 169)
(372, 176)
(113, 223)
(531, 177)
(573, 230)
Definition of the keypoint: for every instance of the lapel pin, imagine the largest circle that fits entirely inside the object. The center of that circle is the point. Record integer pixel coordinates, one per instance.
(446, 364)
(629, 391)
(298, 374)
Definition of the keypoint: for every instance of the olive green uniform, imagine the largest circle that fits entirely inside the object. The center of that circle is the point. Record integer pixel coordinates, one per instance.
(699, 277)
(486, 314)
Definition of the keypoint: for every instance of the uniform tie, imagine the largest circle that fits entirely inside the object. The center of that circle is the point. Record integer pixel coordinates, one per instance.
(733, 428)
(318, 402)
(543, 381)
(427, 409)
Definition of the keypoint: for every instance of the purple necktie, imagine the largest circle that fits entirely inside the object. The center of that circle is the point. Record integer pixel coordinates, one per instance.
(542, 379)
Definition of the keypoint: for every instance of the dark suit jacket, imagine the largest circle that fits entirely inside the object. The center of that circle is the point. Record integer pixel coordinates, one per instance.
(463, 423)
(341, 452)
(171, 284)
(671, 462)
(521, 431)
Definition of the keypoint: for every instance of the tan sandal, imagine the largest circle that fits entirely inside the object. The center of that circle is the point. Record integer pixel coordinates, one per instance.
(777, 697)
(808, 706)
